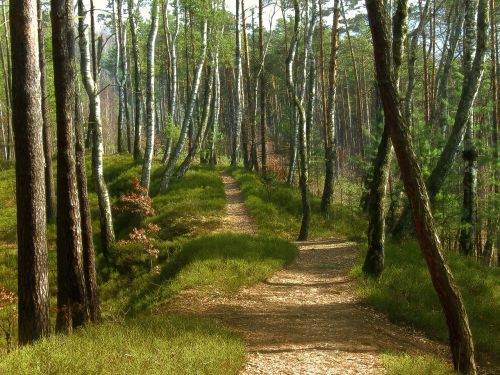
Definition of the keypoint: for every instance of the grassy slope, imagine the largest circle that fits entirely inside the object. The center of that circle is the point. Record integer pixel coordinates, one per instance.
(405, 291)
(133, 340)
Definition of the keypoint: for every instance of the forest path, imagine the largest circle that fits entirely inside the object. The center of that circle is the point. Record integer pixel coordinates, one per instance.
(236, 218)
(305, 319)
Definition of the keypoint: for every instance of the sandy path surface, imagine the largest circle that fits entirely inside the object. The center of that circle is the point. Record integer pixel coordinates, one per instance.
(306, 318)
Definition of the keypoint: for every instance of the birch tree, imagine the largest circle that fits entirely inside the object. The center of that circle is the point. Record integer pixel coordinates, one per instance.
(150, 100)
(188, 113)
(90, 77)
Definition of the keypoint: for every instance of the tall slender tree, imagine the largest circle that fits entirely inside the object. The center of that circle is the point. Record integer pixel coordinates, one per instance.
(330, 119)
(50, 194)
(90, 77)
(150, 100)
(72, 307)
(33, 281)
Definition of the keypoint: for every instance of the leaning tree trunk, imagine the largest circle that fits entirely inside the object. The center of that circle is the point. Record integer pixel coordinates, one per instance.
(203, 127)
(468, 228)
(32, 263)
(50, 194)
(375, 257)
(460, 336)
(90, 73)
(304, 175)
(150, 100)
(89, 269)
(72, 307)
(188, 115)
(330, 140)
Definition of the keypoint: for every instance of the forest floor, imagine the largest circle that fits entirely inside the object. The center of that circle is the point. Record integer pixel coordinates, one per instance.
(305, 319)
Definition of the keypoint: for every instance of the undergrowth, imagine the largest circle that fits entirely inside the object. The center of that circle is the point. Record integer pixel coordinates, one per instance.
(276, 208)
(147, 345)
(405, 293)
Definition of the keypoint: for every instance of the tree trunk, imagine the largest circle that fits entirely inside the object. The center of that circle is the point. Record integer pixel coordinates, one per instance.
(460, 336)
(72, 308)
(188, 115)
(90, 74)
(50, 194)
(86, 220)
(330, 136)
(262, 76)
(237, 97)
(492, 236)
(203, 127)
(150, 100)
(468, 228)
(304, 173)
(375, 257)
(132, 9)
(33, 281)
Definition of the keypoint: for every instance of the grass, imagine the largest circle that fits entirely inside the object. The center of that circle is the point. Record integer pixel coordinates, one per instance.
(227, 262)
(151, 345)
(405, 293)
(216, 263)
(397, 364)
(276, 208)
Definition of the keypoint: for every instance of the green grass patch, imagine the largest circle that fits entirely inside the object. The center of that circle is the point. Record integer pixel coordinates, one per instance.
(216, 263)
(276, 208)
(153, 345)
(398, 364)
(227, 262)
(405, 293)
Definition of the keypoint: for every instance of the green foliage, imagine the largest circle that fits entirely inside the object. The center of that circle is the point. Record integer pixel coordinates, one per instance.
(276, 208)
(227, 262)
(216, 263)
(405, 293)
(151, 345)
(397, 364)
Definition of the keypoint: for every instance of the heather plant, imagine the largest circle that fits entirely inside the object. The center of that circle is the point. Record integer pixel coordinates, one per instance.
(8, 315)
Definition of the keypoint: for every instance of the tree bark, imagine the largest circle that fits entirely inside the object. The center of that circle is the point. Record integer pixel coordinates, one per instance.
(468, 228)
(90, 78)
(50, 194)
(150, 100)
(237, 97)
(33, 281)
(72, 307)
(188, 115)
(262, 91)
(132, 9)
(89, 269)
(304, 175)
(375, 256)
(461, 344)
(330, 136)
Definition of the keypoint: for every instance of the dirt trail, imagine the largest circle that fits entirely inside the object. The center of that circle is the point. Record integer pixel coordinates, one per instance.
(306, 318)
(236, 218)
